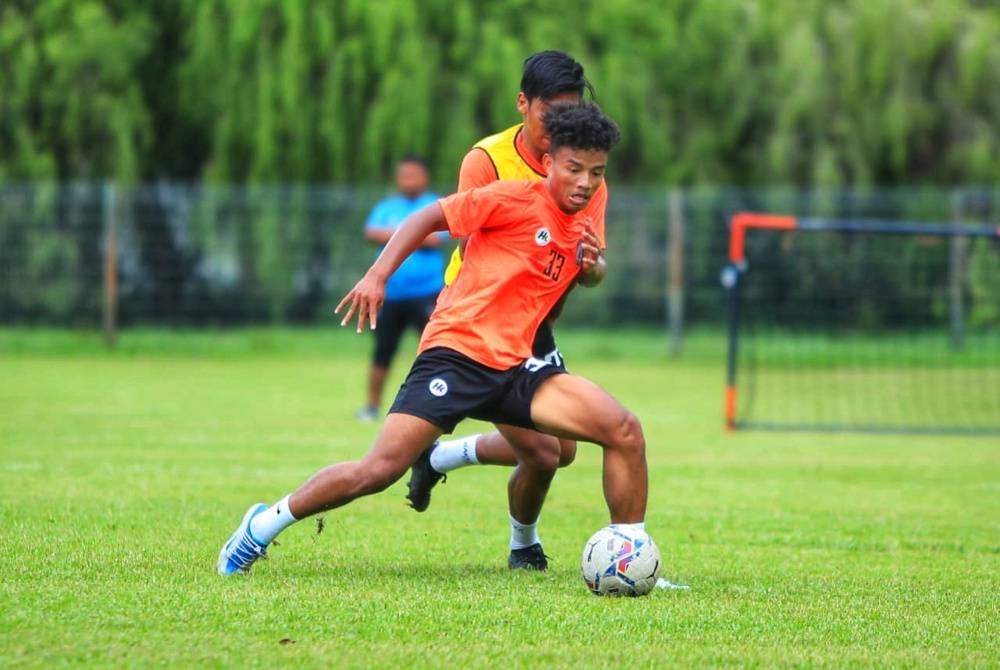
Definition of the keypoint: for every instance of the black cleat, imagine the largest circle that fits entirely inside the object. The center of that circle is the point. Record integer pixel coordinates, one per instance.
(529, 558)
(423, 478)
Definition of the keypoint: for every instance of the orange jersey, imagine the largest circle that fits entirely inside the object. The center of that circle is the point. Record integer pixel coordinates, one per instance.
(503, 156)
(521, 259)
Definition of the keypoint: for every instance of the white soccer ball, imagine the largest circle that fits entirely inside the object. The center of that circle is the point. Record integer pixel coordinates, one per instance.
(619, 561)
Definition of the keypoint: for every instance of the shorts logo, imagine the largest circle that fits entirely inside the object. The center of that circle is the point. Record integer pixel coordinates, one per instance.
(542, 237)
(535, 364)
(438, 387)
(554, 357)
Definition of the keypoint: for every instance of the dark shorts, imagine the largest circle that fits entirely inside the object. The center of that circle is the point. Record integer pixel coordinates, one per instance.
(393, 319)
(445, 387)
(544, 347)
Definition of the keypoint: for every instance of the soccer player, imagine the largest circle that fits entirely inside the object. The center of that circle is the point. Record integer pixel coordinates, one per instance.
(548, 77)
(412, 289)
(528, 241)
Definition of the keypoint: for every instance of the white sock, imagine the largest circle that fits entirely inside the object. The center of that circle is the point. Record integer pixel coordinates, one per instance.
(632, 526)
(265, 526)
(523, 534)
(453, 454)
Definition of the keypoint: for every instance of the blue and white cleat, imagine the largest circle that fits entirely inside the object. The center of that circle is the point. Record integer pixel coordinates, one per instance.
(242, 549)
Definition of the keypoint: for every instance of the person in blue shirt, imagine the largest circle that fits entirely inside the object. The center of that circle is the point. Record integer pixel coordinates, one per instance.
(411, 293)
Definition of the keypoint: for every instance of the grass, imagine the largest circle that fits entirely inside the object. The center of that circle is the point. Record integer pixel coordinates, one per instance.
(123, 472)
(903, 379)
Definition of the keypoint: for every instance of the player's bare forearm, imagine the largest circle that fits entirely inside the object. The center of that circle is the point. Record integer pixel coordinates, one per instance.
(411, 235)
(367, 296)
(432, 241)
(381, 236)
(378, 236)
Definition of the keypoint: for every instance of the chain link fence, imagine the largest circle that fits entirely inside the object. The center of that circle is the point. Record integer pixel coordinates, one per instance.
(166, 254)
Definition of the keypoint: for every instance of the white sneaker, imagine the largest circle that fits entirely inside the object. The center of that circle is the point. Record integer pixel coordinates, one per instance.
(242, 550)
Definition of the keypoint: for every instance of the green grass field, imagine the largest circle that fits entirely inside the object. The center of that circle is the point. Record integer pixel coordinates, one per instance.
(122, 473)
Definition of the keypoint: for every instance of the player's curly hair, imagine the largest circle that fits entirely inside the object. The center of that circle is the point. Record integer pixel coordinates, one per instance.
(582, 126)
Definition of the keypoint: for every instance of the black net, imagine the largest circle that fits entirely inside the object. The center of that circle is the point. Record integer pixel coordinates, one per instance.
(873, 331)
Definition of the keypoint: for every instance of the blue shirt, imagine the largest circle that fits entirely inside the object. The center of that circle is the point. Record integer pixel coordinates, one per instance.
(422, 274)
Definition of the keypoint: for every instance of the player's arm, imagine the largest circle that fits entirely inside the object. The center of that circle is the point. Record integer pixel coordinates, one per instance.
(592, 275)
(367, 296)
(380, 237)
(595, 275)
(590, 258)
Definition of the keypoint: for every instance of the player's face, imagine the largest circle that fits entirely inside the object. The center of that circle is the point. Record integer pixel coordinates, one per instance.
(411, 179)
(574, 176)
(535, 136)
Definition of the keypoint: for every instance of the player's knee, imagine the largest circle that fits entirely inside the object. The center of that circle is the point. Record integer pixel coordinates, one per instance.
(547, 461)
(544, 454)
(628, 436)
(567, 452)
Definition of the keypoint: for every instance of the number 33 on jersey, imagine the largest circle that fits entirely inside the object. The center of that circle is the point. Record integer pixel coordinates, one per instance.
(521, 251)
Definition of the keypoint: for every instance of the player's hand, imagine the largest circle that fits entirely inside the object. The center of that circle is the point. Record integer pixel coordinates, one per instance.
(588, 250)
(591, 261)
(365, 299)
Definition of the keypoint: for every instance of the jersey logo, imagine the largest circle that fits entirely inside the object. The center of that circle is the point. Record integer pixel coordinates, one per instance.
(438, 387)
(542, 237)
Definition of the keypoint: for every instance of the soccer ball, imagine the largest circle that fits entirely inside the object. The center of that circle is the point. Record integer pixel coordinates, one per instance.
(619, 561)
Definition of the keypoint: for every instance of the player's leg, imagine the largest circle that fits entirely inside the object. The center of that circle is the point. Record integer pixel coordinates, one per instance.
(400, 441)
(445, 456)
(576, 408)
(391, 322)
(387, 461)
(494, 448)
(537, 461)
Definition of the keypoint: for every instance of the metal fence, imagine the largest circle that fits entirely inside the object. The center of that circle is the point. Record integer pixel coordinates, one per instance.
(83, 254)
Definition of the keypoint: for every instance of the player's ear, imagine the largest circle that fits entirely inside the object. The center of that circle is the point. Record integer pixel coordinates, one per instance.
(547, 162)
(522, 103)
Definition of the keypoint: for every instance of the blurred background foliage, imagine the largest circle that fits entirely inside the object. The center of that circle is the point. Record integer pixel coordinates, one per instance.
(235, 146)
(747, 92)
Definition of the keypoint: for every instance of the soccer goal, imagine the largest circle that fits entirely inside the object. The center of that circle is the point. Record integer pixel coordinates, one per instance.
(865, 325)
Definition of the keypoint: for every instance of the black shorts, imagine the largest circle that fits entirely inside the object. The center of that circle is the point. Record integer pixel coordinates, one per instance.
(393, 319)
(445, 387)
(544, 347)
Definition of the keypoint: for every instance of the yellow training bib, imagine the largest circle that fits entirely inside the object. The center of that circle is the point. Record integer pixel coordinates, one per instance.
(502, 150)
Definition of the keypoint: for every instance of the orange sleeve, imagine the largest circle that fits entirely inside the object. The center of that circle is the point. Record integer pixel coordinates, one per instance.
(495, 205)
(467, 211)
(477, 170)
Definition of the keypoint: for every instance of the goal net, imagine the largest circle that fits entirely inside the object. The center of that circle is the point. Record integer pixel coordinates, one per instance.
(863, 325)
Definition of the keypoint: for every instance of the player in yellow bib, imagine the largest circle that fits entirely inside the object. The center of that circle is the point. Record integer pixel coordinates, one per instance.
(549, 77)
